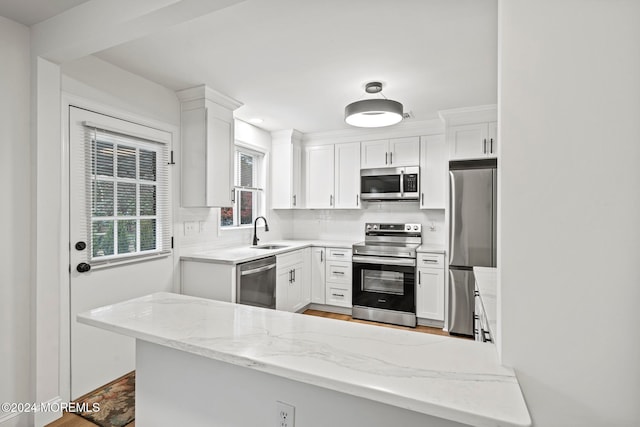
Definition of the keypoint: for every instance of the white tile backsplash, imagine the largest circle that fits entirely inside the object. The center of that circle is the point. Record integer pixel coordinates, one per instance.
(337, 224)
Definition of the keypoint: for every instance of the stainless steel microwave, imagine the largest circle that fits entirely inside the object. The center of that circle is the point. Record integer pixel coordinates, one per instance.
(390, 183)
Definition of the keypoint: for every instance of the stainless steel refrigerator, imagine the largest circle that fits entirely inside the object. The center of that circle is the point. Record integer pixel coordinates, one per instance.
(472, 235)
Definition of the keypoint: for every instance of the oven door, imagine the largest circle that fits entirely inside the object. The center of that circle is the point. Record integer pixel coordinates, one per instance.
(384, 282)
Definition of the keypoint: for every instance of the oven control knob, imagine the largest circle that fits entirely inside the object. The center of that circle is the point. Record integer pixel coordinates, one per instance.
(408, 227)
(368, 227)
(375, 227)
(415, 227)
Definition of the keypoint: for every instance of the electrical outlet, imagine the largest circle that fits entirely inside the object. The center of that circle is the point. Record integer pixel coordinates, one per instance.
(190, 228)
(286, 414)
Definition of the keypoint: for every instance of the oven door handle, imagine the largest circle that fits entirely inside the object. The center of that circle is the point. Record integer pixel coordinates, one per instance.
(411, 262)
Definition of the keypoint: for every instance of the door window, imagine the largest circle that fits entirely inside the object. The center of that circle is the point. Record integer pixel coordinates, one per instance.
(128, 195)
(383, 281)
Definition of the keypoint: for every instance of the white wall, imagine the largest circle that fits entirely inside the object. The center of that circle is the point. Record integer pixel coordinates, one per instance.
(15, 216)
(570, 207)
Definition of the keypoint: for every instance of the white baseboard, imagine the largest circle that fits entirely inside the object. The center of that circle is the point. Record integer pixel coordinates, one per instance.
(44, 418)
(15, 419)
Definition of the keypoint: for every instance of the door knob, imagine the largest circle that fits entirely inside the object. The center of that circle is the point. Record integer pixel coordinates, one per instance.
(83, 267)
(81, 246)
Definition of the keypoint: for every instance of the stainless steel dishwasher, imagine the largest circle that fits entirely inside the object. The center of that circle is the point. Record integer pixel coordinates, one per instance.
(256, 283)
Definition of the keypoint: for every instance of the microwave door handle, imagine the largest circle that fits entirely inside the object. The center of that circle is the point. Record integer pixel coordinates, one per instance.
(401, 183)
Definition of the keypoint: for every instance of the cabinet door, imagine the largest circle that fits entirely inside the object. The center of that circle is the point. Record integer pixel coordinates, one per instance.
(492, 150)
(219, 182)
(286, 159)
(295, 297)
(319, 176)
(468, 141)
(318, 259)
(347, 176)
(283, 281)
(430, 294)
(433, 172)
(404, 151)
(374, 154)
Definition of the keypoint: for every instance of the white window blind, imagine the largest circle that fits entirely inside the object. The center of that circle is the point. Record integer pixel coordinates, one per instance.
(127, 200)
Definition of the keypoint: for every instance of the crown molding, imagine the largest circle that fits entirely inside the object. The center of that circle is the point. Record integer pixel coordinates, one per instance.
(205, 92)
(480, 113)
(404, 129)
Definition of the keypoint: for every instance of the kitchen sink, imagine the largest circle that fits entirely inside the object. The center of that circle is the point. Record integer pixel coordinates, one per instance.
(270, 247)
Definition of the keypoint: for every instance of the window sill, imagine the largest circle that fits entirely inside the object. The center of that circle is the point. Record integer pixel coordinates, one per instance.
(240, 227)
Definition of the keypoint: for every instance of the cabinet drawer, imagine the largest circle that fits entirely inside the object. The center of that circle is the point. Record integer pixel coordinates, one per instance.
(338, 272)
(339, 254)
(289, 258)
(338, 295)
(430, 260)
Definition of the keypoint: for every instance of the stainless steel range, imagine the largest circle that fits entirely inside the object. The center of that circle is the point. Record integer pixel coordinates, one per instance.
(384, 286)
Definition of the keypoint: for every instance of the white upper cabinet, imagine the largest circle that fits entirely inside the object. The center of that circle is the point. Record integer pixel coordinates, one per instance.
(471, 132)
(319, 166)
(433, 171)
(207, 147)
(286, 174)
(347, 176)
(374, 154)
(404, 151)
(393, 152)
(332, 176)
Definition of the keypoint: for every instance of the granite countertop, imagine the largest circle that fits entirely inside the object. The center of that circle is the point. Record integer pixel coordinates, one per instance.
(451, 378)
(487, 281)
(240, 254)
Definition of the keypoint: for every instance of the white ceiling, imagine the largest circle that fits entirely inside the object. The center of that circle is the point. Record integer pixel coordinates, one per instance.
(29, 12)
(298, 63)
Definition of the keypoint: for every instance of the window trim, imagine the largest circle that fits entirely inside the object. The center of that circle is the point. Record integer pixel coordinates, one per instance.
(163, 216)
(259, 178)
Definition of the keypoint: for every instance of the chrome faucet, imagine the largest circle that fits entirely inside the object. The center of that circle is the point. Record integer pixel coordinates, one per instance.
(255, 234)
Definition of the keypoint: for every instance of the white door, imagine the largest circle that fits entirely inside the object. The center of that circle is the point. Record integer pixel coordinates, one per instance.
(319, 176)
(404, 151)
(374, 154)
(347, 178)
(120, 234)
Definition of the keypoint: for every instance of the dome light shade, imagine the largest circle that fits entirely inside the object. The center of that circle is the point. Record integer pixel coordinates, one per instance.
(373, 113)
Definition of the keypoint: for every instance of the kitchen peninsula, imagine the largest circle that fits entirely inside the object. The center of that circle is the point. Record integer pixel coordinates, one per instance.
(205, 362)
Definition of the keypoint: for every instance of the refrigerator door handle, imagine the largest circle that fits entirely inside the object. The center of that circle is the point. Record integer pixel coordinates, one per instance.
(452, 215)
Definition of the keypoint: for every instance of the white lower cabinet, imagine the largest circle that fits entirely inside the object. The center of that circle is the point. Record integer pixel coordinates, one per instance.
(430, 287)
(338, 277)
(291, 290)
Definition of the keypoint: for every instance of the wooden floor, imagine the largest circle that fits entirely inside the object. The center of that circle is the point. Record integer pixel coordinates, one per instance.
(419, 328)
(72, 420)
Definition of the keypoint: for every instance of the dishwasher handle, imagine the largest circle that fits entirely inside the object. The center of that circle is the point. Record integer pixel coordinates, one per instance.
(257, 270)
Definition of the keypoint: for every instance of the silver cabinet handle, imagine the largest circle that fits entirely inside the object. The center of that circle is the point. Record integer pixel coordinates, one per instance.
(338, 295)
(491, 146)
(339, 272)
(390, 158)
(294, 200)
(357, 200)
(419, 278)
(431, 261)
(421, 199)
(484, 146)
(385, 158)
(321, 256)
(294, 275)
(331, 200)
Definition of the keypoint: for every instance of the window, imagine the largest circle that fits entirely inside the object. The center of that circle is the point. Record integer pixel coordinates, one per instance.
(249, 192)
(128, 198)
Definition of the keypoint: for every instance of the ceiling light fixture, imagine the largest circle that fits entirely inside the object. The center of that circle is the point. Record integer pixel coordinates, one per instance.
(375, 112)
